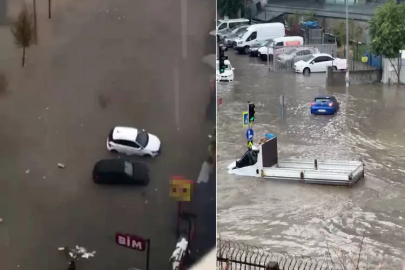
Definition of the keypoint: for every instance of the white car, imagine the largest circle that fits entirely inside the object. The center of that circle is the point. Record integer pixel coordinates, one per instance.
(319, 63)
(131, 141)
(296, 54)
(227, 76)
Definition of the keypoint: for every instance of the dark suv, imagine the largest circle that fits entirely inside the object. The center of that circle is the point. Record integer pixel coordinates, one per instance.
(118, 171)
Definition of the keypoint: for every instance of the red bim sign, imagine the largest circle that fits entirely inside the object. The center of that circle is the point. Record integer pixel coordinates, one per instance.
(130, 241)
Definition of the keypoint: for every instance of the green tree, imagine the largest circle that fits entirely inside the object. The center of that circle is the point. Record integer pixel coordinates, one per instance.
(387, 30)
(229, 8)
(23, 31)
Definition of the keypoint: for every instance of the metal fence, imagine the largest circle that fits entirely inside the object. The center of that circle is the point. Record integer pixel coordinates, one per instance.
(238, 256)
(284, 58)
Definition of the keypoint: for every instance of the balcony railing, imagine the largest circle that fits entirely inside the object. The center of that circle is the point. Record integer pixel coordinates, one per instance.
(354, 6)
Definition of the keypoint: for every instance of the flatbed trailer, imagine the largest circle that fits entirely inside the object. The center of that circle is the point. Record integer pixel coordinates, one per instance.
(313, 171)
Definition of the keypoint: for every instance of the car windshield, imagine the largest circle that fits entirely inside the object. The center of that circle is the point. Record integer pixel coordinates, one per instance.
(322, 100)
(228, 67)
(129, 169)
(218, 23)
(142, 139)
(308, 58)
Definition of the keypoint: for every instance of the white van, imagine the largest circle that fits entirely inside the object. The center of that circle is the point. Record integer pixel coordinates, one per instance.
(224, 26)
(258, 32)
(279, 42)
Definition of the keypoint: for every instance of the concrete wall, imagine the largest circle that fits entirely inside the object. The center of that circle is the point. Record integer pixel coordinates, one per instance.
(338, 78)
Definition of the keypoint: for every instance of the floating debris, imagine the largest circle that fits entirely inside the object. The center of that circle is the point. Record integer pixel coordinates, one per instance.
(60, 165)
(27, 171)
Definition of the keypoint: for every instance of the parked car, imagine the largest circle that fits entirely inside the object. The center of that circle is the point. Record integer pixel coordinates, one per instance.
(258, 32)
(119, 171)
(255, 47)
(324, 105)
(131, 141)
(280, 45)
(227, 76)
(319, 63)
(229, 39)
(226, 26)
(296, 54)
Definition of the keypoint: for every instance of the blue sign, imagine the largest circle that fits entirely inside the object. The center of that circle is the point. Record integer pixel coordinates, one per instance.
(245, 118)
(249, 134)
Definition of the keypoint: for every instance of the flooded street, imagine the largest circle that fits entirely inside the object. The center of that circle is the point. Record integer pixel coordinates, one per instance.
(302, 218)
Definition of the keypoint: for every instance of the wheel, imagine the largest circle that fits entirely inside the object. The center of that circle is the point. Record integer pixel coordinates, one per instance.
(306, 71)
(234, 45)
(247, 50)
(114, 151)
(334, 68)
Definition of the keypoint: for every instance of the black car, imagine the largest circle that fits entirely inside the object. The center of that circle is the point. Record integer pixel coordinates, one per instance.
(118, 171)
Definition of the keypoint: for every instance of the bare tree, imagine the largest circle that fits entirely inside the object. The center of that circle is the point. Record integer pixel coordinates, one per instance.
(23, 31)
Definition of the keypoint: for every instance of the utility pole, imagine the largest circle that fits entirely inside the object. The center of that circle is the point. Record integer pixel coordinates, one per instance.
(347, 45)
(49, 9)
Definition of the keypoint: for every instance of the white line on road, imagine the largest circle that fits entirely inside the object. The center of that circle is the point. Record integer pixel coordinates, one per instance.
(176, 97)
(184, 27)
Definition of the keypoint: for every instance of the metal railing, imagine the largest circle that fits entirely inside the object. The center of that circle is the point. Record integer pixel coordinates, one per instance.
(237, 256)
(354, 6)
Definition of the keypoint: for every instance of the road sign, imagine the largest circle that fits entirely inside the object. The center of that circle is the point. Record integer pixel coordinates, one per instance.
(131, 241)
(250, 143)
(245, 118)
(181, 189)
(249, 134)
(364, 59)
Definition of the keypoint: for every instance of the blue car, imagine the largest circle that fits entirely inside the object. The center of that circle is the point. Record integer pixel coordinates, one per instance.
(324, 105)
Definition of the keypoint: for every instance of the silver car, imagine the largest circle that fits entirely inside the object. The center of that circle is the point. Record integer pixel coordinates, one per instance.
(229, 39)
(296, 54)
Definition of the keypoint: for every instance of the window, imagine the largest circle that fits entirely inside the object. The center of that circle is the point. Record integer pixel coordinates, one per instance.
(322, 100)
(127, 143)
(280, 44)
(303, 52)
(252, 36)
(142, 139)
(327, 58)
(232, 25)
(318, 59)
(128, 168)
(222, 26)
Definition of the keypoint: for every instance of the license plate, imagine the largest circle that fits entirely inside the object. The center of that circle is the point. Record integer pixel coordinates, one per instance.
(321, 110)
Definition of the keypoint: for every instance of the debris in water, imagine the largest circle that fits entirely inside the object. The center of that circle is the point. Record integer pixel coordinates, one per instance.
(1, 220)
(47, 108)
(60, 165)
(27, 171)
(400, 217)
(155, 189)
(39, 118)
(146, 202)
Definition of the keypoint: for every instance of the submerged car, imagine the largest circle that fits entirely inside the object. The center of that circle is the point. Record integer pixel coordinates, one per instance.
(296, 54)
(227, 76)
(230, 38)
(324, 105)
(118, 171)
(131, 141)
(319, 63)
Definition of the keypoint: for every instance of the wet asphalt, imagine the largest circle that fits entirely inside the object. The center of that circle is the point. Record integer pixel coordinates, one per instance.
(305, 219)
(99, 64)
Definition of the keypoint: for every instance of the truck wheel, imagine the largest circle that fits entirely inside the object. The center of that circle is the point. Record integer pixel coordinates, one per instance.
(247, 50)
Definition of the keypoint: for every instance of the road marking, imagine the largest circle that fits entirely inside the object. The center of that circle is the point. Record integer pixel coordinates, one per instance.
(176, 98)
(184, 27)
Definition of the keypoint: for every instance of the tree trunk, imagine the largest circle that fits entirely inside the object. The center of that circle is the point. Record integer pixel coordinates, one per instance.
(23, 57)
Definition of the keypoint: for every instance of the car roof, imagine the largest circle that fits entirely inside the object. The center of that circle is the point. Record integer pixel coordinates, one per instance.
(125, 133)
(227, 62)
(234, 20)
(324, 96)
(109, 165)
(321, 54)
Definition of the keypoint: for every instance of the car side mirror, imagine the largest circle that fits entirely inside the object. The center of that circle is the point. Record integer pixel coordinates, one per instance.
(311, 63)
